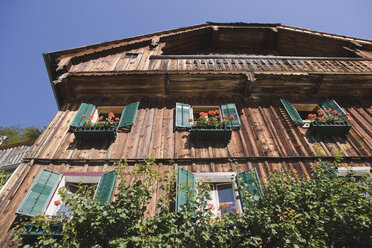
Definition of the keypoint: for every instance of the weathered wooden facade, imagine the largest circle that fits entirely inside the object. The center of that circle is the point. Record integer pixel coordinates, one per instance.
(250, 65)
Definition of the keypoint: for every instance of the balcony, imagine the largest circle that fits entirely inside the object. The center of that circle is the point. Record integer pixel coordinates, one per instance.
(259, 63)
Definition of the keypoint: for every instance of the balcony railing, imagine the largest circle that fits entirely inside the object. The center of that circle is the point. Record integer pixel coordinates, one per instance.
(259, 63)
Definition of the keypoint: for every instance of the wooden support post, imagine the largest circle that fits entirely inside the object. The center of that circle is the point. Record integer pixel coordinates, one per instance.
(318, 84)
(249, 80)
(166, 84)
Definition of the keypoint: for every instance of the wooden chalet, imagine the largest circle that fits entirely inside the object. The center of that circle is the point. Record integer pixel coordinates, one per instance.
(269, 77)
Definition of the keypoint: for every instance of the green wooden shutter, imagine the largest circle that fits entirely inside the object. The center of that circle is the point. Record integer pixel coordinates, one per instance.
(85, 109)
(332, 172)
(40, 193)
(185, 186)
(106, 187)
(251, 181)
(128, 116)
(333, 105)
(182, 115)
(230, 109)
(291, 111)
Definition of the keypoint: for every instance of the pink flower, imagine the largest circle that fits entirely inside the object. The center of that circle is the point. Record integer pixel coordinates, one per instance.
(111, 115)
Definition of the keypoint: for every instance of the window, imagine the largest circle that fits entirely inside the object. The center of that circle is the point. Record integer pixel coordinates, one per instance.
(305, 109)
(223, 187)
(299, 112)
(131, 55)
(343, 171)
(196, 110)
(222, 190)
(71, 182)
(184, 112)
(126, 115)
(43, 193)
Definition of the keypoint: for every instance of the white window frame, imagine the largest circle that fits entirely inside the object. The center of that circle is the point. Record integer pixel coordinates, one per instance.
(358, 171)
(220, 177)
(68, 178)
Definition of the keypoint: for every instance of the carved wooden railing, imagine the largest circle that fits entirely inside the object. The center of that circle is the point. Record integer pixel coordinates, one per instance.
(259, 63)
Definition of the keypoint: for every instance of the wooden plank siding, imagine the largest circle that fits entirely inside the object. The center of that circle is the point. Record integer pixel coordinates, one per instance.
(265, 132)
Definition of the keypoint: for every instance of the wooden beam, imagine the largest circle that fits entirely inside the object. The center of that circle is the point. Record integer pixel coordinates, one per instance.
(318, 84)
(249, 80)
(166, 84)
(190, 161)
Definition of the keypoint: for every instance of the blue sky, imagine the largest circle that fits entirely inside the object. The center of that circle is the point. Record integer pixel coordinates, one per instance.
(31, 27)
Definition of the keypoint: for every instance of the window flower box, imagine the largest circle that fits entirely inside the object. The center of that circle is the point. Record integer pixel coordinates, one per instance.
(92, 133)
(329, 129)
(211, 133)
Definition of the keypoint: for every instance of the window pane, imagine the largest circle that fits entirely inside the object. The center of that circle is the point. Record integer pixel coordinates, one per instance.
(229, 209)
(225, 193)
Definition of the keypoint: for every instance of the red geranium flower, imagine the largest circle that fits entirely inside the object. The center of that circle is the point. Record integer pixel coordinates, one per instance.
(84, 116)
(117, 119)
(320, 113)
(224, 117)
(334, 112)
(347, 114)
(57, 202)
(348, 120)
(310, 116)
(111, 115)
(90, 117)
(210, 205)
(329, 110)
(232, 207)
(201, 113)
(190, 120)
(100, 118)
(232, 117)
(324, 116)
(217, 111)
(339, 114)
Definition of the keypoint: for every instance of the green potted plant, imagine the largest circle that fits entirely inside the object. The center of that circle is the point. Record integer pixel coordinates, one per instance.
(211, 126)
(330, 124)
(102, 129)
